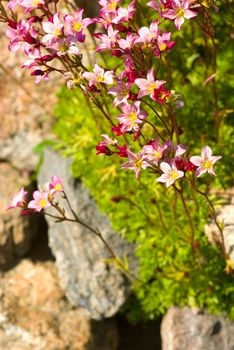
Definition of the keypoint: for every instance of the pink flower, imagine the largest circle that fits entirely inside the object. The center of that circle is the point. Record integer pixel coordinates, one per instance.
(13, 3)
(147, 86)
(205, 162)
(18, 200)
(125, 14)
(163, 43)
(53, 28)
(170, 174)
(32, 4)
(121, 92)
(109, 140)
(136, 162)
(154, 151)
(128, 43)
(180, 149)
(22, 35)
(99, 76)
(109, 5)
(40, 201)
(75, 25)
(148, 35)
(109, 40)
(179, 12)
(132, 116)
(55, 185)
(63, 46)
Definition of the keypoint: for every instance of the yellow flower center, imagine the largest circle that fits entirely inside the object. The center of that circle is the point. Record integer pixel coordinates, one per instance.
(152, 87)
(100, 79)
(173, 174)
(36, 3)
(63, 48)
(157, 154)
(77, 26)
(138, 163)
(180, 13)
(42, 203)
(162, 46)
(112, 6)
(58, 187)
(132, 116)
(207, 164)
(57, 32)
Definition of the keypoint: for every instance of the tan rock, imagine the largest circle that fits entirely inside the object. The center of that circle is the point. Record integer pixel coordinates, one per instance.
(225, 216)
(35, 315)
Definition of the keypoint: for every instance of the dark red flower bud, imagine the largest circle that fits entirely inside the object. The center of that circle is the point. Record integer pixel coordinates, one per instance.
(29, 39)
(26, 212)
(34, 19)
(102, 149)
(116, 199)
(37, 72)
(117, 130)
(122, 151)
(12, 24)
(132, 96)
(117, 53)
(180, 164)
(121, 28)
(190, 166)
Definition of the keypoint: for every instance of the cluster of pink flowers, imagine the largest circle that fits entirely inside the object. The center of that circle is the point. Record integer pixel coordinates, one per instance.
(133, 86)
(163, 158)
(45, 37)
(42, 199)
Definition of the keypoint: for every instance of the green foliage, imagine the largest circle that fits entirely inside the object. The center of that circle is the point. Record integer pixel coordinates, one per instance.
(170, 270)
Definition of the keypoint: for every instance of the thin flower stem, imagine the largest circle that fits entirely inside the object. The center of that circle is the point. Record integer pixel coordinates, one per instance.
(186, 209)
(97, 232)
(154, 128)
(214, 215)
(157, 114)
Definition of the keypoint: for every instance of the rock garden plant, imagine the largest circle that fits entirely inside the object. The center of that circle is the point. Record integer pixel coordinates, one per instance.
(147, 120)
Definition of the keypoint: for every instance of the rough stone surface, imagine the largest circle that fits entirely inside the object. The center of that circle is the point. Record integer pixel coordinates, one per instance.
(225, 214)
(18, 150)
(193, 329)
(24, 105)
(87, 278)
(35, 315)
(16, 232)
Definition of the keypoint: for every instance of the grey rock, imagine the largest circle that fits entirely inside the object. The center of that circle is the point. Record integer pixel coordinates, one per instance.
(87, 278)
(17, 150)
(193, 329)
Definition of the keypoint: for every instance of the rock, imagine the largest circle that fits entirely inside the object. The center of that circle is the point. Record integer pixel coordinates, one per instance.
(16, 232)
(35, 315)
(25, 106)
(225, 215)
(88, 280)
(18, 150)
(193, 329)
